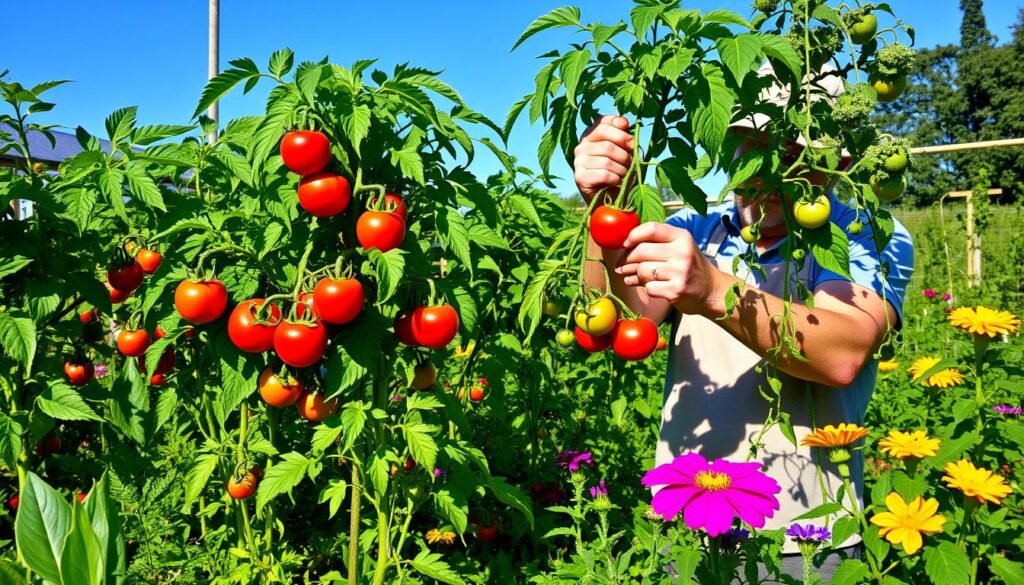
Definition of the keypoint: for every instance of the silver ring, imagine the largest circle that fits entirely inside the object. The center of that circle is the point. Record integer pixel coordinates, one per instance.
(654, 273)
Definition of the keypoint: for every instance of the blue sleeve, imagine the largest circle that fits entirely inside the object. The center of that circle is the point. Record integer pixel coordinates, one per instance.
(682, 219)
(866, 265)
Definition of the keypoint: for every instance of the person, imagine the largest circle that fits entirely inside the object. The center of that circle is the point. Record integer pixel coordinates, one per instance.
(683, 268)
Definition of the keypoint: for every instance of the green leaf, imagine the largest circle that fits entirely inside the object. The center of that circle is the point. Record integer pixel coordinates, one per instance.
(307, 78)
(571, 68)
(63, 402)
(410, 163)
(335, 494)
(842, 529)
(779, 48)
(146, 135)
(947, 564)
(43, 298)
(120, 123)
(648, 203)
(1007, 570)
(378, 471)
(452, 230)
(354, 419)
(431, 565)
(390, 267)
(726, 17)
(143, 187)
(421, 444)
(112, 186)
(281, 478)
(18, 337)
(952, 448)
(831, 248)
(849, 572)
(220, 85)
(453, 506)
(710, 103)
(106, 525)
(11, 574)
(820, 511)
(643, 16)
(687, 561)
(14, 264)
(739, 54)
(564, 16)
(198, 476)
(42, 524)
(513, 115)
(672, 68)
(672, 172)
(604, 33)
(10, 440)
(80, 558)
(281, 62)
(355, 121)
(511, 495)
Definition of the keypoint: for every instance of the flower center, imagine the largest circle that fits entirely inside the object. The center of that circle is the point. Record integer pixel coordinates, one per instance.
(712, 481)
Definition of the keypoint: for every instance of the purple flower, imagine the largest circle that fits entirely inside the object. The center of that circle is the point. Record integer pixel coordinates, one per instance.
(930, 293)
(100, 370)
(733, 538)
(438, 472)
(947, 297)
(572, 460)
(1007, 410)
(397, 398)
(599, 491)
(809, 533)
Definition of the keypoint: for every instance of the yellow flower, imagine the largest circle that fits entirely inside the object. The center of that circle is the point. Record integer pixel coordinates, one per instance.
(888, 365)
(914, 445)
(943, 379)
(984, 321)
(903, 523)
(842, 436)
(462, 353)
(974, 482)
(435, 536)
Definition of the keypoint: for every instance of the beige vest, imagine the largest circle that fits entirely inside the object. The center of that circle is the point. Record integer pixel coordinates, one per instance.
(713, 405)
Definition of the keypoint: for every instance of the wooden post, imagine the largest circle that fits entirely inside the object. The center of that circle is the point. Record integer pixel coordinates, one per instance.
(214, 58)
(969, 199)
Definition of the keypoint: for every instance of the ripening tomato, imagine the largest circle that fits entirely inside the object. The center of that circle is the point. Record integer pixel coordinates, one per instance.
(401, 209)
(125, 278)
(200, 302)
(888, 191)
(79, 374)
(599, 318)
(748, 235)
(300, 344)
(610, 226)
(247, 333)
(476, 393)
(338, 301)
(435, 327)
(403, 330)
(242, 484)
(132, 343)
(410, 464)
(277, 391)
(324, 194)
(81, 497)
(89, 316)
(662, 344)
(381, 230)
(812, 214)
(314, 408)
(424, 376)
(487, 534)
(117, 296)
(635, 339)
(157, 379)
(564, 338)
(305, 153)
(888, 88)
(592, 343)
(149, 260)
(551, 308)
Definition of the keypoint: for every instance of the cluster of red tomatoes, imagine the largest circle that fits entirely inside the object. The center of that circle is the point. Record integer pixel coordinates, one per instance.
(135, 342)
(128, 271)
(326, 194)
(599, 327)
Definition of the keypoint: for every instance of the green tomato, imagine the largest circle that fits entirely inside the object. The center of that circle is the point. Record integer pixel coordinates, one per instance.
(812, 214)
(552, 308)
(565, 338)
(798, 254)
(748, 234)
(864, 29)
(888, 88)
(888, 191)
(855, 227)
(897, 162)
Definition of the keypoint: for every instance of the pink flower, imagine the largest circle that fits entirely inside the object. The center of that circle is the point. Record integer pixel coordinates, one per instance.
(572, 460)
(930, 293)
(710, 495)
(947, 297)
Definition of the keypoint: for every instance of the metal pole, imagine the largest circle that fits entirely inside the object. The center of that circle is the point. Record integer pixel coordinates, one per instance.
(214, 58)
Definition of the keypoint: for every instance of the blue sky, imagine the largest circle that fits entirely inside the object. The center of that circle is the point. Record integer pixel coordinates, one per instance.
(153, 53)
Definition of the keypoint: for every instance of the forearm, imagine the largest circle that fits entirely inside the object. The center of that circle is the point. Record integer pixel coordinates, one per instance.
(833, 355)
(635, 297)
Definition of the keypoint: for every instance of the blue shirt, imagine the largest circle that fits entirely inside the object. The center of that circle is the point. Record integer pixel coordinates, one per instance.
(865, 262)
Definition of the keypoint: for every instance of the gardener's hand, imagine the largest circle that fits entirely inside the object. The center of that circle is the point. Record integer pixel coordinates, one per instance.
(667, 263)
(603, 155)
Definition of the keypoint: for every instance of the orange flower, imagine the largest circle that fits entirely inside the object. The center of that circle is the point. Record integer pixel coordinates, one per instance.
(842, 436)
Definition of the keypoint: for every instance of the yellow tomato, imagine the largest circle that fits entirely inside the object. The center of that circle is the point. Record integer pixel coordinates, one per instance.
(812, 214)
(599, 318)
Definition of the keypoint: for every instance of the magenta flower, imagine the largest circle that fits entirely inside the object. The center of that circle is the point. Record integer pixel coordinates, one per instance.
(1007, 410)
(572, 460)
(438, 472)
(947, 297)
(100, 370)
(397, 398)
(930, 293)
(599, 491)
(808, 533)
(711, 494)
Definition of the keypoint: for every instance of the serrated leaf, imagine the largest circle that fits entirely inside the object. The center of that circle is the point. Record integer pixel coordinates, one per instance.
(831, 248)
(281, 62)
(723, 16)
(43, 297)
(452, 230)
(198, 476)
(14, 264)
(672, 172)
(421, 444)
(120, 123)
(281, 478)
(710, 102)
(739, 54)
(603, 33)
(1007, 570)
(571, 68)
(18, 337)
(112, 186)
(390, 267)
(221, 84)
(143, 187)
(947, 564)
(648, 203)
(62, 402)
(335, 494)
(410, 163)
(564, 16)
(453, 506)
(146, 135)
(675, 64)
(850, 572)
(779, 48)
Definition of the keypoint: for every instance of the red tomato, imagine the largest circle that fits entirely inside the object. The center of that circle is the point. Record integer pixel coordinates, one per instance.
(305, 153)
(592, 343)
(610, 227)
(662, 343)
(403, 330)
(338, 301)
(200, 302)
(300, 344)
(410, 464)
(279, 392)
(13, 501)
(164, 365)
(487, 534)
(81, 497)
(324, 194)
(78, 374)
(249, 335)
(476, 393)
(89, 316)
(160, 333)
(381, 230)
(149, 260)
(157, 379)
(401, 210)
(125, 278)
(242, 485)
(132, 343)
(435, 327)
(117, 296)
(314, 408)
(635, 339)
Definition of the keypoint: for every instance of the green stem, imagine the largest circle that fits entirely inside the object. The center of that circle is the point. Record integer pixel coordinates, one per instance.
(300, 273)
(353, 526)
(383, 543)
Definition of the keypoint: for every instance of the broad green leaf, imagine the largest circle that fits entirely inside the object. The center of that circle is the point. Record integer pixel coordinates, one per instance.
(326, 434)
(842, 529)
(378, 472)
(219, 86)
(1007, 570)
(13, 264)
(335, 494)
(42, 524)
(410, 163)
(355, 121)
(710, 103)
(947, 564)
(452, 230)
(120, 123)
(43, 297)
(10, 440)
(571, 68)
(431, 565)
(421, 444)
(142, 186)
(672, 68)
(63, 402)
(511, 495)
(453, 506)
(198, 476)
(281, 478)
(603, 33)
(850, 572)
(739, 54)
(108, 528)
(390, 268)
(820, 511)
(80, 560)
(951, 449)
(643, 16)
(112, 186)
(687, 561)
(648, 203)
(11, 574)
(672, 172)
(779, 48)
(353, 418)
(831, 248)
(726, 17)
(564, 16)
(281, 62)
(18, 337)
